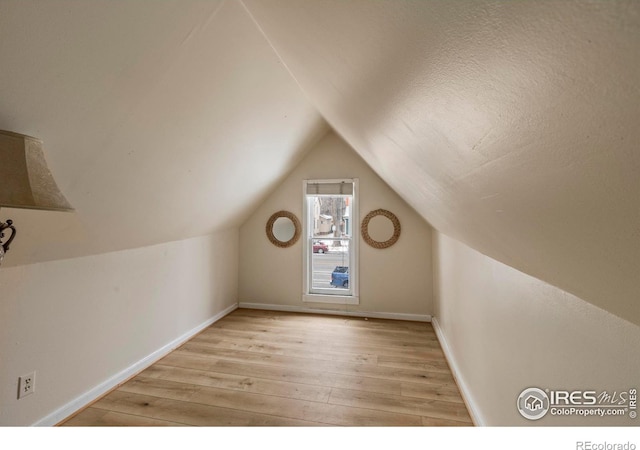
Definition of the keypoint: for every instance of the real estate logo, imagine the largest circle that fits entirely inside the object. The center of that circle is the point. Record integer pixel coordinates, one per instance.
(534, 403)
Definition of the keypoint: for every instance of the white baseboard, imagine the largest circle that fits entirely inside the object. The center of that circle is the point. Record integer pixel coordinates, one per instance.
(88, 397)
(472, 406)
(338, 312)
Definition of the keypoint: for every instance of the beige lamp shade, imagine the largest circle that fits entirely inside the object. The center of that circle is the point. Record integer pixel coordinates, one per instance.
(25, 179)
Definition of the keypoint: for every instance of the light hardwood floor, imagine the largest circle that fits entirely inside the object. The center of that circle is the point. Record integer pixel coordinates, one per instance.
(266, 368)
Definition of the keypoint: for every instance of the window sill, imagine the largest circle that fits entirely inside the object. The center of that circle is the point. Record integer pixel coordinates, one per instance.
(334, 299)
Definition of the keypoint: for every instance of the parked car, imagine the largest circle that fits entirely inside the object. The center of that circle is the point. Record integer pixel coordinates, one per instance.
(340, 277)
(320, 247)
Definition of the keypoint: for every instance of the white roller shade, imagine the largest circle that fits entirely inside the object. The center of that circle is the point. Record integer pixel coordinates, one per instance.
(330, 188)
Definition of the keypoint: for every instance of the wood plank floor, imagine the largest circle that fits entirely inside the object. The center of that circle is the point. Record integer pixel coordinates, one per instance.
(267, 368)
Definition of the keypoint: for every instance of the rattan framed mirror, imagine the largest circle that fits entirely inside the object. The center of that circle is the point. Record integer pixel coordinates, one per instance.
(283, 229)
(365, 231)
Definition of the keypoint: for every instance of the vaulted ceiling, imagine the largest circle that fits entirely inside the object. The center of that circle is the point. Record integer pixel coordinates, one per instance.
(160, 120)
(511, 126)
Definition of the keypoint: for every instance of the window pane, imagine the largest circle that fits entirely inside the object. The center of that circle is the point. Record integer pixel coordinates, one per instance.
(330, 264)
(330, 216)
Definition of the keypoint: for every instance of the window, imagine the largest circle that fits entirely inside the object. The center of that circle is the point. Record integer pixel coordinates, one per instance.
(330, 249)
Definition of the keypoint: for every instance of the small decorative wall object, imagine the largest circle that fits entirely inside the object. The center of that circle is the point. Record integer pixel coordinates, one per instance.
(364, 229)
(283, 229)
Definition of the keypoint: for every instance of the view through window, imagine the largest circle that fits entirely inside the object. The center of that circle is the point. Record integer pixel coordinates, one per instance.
(330, 254)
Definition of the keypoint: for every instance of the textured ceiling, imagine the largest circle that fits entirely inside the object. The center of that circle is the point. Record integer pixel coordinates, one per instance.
(511, 126)
(160, 120)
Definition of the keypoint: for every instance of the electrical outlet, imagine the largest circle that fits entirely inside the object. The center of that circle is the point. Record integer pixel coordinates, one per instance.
(27, 384)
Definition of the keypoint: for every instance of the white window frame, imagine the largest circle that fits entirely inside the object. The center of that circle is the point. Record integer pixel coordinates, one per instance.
(326, 295)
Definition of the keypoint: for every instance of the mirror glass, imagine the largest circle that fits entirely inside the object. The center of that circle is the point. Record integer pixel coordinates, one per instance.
(283, 229)
(380, 228)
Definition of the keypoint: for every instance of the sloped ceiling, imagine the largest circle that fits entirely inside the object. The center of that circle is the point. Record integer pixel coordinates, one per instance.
(161, 120)
(511, 126)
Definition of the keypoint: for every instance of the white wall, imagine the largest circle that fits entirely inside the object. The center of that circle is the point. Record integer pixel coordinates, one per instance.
(391, 280)
(507, 331)
(80, 322)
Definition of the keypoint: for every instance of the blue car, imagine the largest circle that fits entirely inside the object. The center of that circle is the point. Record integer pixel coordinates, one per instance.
(340, 277)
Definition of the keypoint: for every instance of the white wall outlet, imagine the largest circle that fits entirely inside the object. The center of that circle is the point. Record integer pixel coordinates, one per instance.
(27, 384)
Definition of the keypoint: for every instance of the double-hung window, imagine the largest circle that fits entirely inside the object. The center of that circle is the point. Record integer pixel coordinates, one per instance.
(331, 241)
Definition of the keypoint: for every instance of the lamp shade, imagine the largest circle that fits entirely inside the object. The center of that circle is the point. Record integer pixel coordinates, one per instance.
(25, 179)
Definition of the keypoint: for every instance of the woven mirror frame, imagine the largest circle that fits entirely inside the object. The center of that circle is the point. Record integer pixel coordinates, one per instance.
(364, 229)
(296, 225)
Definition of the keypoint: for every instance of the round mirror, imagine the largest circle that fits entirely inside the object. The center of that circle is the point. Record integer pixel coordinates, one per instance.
(380, 228)
(283, 229)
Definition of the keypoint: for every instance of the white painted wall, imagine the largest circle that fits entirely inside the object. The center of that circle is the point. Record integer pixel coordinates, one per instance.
(391, 280)
(507, 331)
(82, 321)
